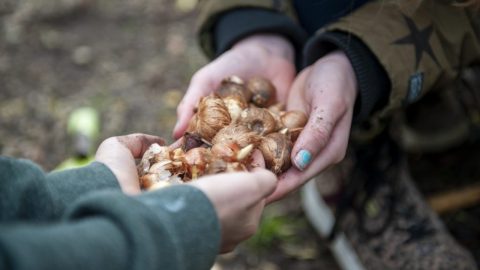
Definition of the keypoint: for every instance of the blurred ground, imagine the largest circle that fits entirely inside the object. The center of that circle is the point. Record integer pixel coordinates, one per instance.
(131, 60)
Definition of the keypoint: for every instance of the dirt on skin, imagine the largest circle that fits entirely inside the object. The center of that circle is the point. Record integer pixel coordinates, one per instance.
(132, 61)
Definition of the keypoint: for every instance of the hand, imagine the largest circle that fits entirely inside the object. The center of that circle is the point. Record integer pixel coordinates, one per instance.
(238, 199)
(326, 91)
(264, 55)
(119, 154)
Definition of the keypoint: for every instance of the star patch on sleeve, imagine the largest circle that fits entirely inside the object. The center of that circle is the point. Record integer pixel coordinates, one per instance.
(420, 39)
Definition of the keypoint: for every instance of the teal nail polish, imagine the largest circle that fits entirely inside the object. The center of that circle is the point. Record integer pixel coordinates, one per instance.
(302, 159)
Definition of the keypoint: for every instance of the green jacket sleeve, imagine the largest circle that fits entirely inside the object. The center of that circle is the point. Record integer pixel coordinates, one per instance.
(173, 228)
(422, 46)
(27, 193)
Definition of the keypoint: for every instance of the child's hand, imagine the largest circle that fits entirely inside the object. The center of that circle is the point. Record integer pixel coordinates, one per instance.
(119, 154)
(326, 91)
(238, 199)
(269, 56)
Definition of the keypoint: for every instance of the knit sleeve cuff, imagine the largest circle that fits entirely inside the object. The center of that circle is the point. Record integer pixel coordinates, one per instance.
(372, 80)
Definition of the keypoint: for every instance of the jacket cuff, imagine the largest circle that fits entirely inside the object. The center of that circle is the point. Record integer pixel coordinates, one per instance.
(372, 80)
(194, 226)
(68, 185)
(236, 25)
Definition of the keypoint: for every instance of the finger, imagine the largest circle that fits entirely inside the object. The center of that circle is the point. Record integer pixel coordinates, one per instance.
(185, 112)
(178, 143)
(139, 143)
(281, 80)
(314, 137)
(204, 82)
(244, 65)
(256, 185)
(327, 108)
(332, 154)
(296, 98)
(287, 182)
(246, 189)
(265, 180)
(257, 160)
(200, 86)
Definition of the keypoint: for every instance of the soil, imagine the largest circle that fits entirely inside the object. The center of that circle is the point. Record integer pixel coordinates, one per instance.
(131, 60)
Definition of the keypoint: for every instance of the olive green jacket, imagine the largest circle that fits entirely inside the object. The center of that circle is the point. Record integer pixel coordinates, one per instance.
(80, 219)
(422, 45)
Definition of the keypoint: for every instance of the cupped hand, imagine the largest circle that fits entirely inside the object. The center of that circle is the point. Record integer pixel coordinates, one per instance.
(239, 199)
(265, 55)
(119, 154)
(326, 91)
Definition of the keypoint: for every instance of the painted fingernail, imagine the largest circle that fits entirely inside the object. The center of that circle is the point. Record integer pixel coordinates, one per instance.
(302, 159)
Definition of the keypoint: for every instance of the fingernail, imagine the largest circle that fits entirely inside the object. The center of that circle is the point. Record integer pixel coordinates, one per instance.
(176, 126)
(302, 159)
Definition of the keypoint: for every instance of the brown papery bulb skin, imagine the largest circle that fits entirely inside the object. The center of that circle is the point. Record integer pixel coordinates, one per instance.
(192, 140)
(277, 118)
(147, 180)
(212, 115)
(235, 167)
(277, 108)
(293, 119)
(263, 91)
(259, 120)
(226, 151)
(150, 156)
(294, 133)
(199, 157)
(236, 133)
(221, 166)
(217, 165)
(192, 124)
(276, 149)
(233, 85)
(235, 104)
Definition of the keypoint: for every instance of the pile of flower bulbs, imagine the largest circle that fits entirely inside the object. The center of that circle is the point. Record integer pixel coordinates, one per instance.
(225, 129)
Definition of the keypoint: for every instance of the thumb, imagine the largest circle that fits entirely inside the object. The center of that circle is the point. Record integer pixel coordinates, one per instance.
(199, 86)
(307, 95)
(263, 177)
(138, 143)
(266, 182)
(314, 138)
(246, 189)
(185, 112)
(258, 160)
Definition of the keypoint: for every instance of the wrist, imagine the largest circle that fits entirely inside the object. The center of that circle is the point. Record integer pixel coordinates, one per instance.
(341, 59)
(271, 44)
(373, 83)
